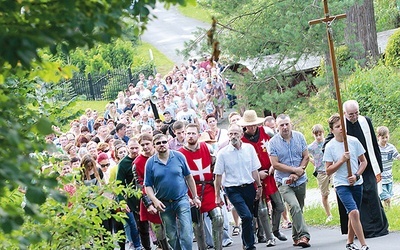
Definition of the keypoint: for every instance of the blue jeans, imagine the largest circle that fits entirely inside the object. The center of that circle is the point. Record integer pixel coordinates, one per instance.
(133, 231)
(180, 236)
(242, 198)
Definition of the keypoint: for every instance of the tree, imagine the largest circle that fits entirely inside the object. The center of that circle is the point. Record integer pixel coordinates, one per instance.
(361, 30)
(274, 36)
(27, 112)
(270, 38)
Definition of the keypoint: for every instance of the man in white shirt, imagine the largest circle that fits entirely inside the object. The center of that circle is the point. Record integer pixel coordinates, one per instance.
(240, 164)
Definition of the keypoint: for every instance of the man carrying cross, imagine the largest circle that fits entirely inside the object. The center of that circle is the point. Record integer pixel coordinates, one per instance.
(348, 188)
(199, 160)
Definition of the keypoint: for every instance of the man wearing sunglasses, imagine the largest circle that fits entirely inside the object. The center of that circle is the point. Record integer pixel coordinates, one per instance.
(167, 180)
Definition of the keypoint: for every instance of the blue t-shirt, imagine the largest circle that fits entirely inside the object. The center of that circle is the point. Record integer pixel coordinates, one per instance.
(167, 180)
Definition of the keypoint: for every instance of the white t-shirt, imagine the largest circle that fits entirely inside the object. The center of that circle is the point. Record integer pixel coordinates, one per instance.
(334, 150)
(188, 116)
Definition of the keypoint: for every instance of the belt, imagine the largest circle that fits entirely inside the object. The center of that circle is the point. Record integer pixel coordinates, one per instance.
(242, 185)
(167, 200)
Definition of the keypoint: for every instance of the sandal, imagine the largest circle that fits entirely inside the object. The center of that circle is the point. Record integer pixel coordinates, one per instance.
(235, 231)
(287, 225)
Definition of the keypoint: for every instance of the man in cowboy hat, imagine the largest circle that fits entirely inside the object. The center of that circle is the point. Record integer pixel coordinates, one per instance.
(256, 136)
(289, 156)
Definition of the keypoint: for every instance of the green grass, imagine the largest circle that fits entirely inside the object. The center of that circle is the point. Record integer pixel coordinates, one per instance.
(94, 105)
(196, 12)
(315, 216)
(163, 63)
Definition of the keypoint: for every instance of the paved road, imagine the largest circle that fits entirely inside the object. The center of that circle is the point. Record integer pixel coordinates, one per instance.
(170, 30)
(327, 239)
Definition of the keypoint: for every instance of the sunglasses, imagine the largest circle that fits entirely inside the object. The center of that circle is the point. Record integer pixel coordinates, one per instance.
(106, 150)
(161, 142)
(105, 165)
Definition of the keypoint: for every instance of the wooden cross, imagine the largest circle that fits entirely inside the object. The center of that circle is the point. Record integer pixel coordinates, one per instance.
(328, 21)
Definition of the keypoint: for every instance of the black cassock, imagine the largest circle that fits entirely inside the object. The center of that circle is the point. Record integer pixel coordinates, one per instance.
(372, 214)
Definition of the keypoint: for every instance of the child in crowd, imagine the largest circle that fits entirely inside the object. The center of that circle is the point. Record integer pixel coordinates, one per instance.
(315, 150)
(388, 154)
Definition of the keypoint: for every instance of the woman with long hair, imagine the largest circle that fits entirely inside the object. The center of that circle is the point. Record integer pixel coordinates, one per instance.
(90, 173)
(169, 83)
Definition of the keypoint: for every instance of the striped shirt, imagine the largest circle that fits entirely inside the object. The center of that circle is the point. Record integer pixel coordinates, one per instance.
(388, 154)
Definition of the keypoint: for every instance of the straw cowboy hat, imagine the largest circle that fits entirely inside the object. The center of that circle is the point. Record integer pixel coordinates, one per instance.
(249, 118)
(205, 137)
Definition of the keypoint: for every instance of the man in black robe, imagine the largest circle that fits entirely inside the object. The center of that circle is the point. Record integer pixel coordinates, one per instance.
(372, 214)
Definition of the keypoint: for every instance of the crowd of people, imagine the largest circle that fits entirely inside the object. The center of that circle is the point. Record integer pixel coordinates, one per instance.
(162, 137)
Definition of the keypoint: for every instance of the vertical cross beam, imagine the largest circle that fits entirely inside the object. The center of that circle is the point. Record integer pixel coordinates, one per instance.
(328, 20)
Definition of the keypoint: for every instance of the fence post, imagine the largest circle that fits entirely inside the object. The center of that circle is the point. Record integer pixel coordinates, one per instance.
(91, 86)
(130, 75)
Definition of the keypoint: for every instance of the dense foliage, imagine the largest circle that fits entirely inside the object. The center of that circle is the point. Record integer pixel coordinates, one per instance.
(26, 96)
(392, 52)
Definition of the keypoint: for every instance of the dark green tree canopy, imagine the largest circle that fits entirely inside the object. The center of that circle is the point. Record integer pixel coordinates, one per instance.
(28, 85)
(31, 25)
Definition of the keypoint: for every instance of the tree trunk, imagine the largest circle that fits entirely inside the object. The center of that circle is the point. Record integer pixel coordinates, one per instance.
(360, 33)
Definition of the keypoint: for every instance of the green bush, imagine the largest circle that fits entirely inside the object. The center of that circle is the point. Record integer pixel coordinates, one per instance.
(376, 90)
(392, 52)
(386, 14)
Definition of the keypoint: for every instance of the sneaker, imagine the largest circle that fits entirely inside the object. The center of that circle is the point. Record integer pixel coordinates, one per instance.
(365, 247)
(280, 236)
(329, 219)
(227, 244)
(352, 246)
(262, 239)
(271, 242)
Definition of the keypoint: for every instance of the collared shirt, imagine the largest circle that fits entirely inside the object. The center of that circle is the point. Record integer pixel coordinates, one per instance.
(237, 164)
(174, 144)
(168, 180)
(290, 154)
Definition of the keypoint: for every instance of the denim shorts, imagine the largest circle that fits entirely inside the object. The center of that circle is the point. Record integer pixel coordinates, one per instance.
(387, 191)
(350, 196)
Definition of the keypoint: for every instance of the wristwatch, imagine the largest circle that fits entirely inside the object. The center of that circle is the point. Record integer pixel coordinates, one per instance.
(357, 176)
(259, 186)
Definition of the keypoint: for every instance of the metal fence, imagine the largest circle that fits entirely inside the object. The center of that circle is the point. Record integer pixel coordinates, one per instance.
(96, 86)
